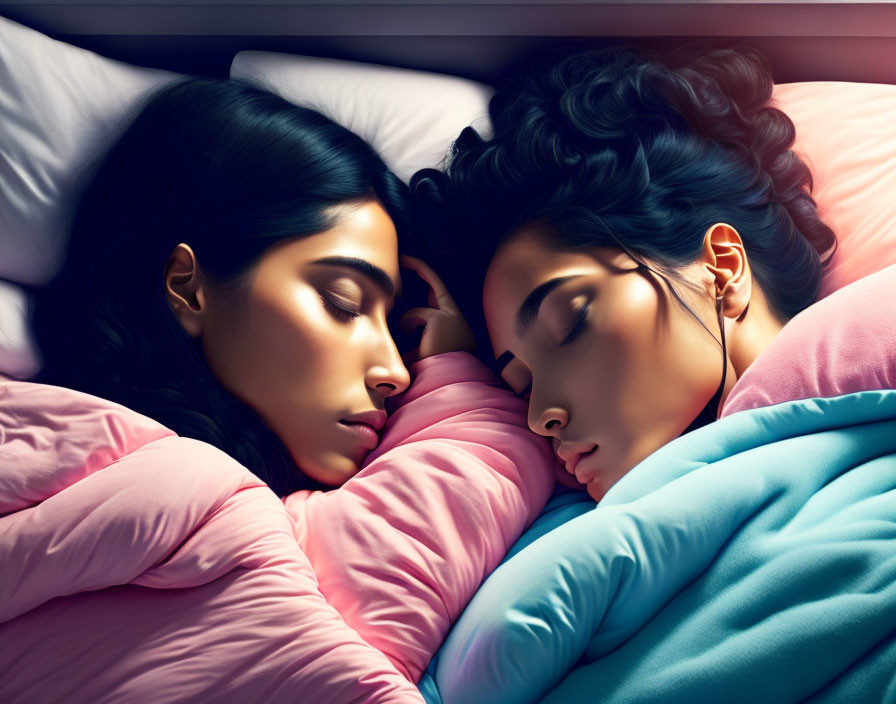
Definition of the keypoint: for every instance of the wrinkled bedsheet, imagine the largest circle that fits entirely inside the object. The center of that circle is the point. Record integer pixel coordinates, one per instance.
(141, 566)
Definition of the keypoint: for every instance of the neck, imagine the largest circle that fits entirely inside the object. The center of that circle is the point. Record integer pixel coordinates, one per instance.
(747, 338)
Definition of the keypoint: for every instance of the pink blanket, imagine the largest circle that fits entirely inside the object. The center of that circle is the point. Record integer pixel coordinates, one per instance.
(140, 566)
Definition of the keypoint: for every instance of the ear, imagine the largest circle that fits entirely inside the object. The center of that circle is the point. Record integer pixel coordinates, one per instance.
(726, 262)
(184, 289)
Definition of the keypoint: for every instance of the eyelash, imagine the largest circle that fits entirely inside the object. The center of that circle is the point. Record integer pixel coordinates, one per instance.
(577, 326)
(527, 390)
(342, 314)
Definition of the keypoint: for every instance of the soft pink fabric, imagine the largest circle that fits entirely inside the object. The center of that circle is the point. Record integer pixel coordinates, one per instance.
(140, 566)
(401, 548)
(843, 344)
(847, 135)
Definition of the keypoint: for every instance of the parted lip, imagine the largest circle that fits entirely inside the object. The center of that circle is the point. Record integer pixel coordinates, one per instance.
(570, 453)
(375, 419)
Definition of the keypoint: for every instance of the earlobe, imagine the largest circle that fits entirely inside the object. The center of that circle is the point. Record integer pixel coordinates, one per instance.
(726, 261)
(184, 289)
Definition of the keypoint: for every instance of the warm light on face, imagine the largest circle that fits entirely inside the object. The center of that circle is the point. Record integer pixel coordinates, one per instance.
(616, 367)
(310, 346)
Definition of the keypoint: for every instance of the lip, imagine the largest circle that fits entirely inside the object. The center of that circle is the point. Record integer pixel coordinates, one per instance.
(365, 432)
(586, 468)
(570, 454)
(375, 419)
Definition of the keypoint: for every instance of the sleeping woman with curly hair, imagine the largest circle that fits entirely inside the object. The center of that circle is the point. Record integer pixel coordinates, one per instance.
(642, 232)
(641, 243)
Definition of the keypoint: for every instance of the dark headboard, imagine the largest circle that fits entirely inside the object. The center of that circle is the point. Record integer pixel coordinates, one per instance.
(807, 40)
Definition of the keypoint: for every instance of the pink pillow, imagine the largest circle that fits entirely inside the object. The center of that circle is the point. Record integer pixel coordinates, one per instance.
(846, 133)
(842, 344)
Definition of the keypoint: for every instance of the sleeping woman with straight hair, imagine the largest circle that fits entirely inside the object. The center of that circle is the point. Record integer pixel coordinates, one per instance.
(197, 250)
(230, 276)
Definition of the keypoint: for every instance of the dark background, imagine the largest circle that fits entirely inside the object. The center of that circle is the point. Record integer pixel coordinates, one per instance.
(804, 41)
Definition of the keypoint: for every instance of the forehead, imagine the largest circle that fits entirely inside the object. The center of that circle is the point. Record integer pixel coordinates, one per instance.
(362, 231)
(518, 267)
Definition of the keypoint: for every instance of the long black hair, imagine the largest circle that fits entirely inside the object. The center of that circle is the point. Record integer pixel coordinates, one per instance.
(622, 147)
(229, 169)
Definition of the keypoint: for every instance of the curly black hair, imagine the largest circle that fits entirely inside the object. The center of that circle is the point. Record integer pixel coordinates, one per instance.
(623, 147)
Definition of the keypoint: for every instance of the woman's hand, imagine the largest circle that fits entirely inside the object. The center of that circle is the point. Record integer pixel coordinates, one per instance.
(445, 329)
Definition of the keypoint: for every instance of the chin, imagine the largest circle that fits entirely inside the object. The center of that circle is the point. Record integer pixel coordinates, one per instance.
(596, 490)
(329, 468)
(601, 484)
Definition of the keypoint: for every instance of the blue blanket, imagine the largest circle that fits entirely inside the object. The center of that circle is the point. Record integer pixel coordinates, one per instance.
(753, 560)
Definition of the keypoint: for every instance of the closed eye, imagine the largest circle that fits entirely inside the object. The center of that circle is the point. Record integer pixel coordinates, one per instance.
(577, 326)
(524, 393)
(341, 313)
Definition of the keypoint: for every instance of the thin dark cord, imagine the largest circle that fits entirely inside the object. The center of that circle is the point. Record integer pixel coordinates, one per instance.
(716, 401)
(711, 410)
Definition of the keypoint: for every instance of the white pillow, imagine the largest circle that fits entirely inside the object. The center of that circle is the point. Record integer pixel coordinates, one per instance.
(60, 106)
(18, 357)
(410, 117)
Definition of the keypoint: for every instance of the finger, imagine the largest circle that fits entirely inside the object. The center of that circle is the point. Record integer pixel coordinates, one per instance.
(418, 266)
(415, 318)
(428, 274)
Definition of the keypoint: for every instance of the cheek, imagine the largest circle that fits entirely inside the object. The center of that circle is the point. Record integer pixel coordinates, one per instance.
(618, 358)
(643, 374)
(279, 352)
(296, 345)
(291, 362)
(661, 350)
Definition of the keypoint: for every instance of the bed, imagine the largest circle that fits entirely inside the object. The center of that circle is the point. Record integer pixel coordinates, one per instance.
(708, 574)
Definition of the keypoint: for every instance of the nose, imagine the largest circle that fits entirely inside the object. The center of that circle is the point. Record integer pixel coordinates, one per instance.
(549, 421)
(387, 375)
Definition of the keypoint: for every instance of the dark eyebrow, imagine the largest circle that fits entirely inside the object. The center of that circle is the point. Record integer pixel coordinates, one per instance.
(528, 311)
(374, 273)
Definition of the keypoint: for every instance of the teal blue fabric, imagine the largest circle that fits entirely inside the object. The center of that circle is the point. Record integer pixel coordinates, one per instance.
(753, 560)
